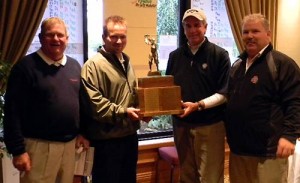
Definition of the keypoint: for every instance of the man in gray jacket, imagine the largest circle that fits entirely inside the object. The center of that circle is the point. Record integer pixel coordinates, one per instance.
(111, 119)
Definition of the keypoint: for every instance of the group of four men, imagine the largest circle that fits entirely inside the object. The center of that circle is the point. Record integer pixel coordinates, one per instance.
(52, 106)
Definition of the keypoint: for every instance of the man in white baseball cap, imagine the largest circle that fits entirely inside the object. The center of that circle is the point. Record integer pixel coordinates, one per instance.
(201, 69)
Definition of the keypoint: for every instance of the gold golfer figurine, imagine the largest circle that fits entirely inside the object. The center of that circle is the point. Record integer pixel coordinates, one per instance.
(153, 56)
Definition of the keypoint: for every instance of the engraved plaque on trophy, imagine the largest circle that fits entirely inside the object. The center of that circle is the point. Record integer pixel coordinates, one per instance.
(157, 95)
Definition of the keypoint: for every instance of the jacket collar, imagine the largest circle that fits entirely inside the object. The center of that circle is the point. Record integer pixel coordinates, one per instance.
(244, 54)
(113, 59)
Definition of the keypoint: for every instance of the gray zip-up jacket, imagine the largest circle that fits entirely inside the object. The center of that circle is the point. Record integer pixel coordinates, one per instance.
(107, 91)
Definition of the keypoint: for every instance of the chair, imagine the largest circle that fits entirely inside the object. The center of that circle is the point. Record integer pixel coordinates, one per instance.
(169, 154)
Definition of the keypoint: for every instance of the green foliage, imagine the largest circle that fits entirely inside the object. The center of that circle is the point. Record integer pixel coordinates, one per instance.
(5, 68)
(1, 111)
(163, 122)
(167, 17)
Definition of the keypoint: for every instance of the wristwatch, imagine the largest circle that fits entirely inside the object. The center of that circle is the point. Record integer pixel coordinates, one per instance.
(200, 107)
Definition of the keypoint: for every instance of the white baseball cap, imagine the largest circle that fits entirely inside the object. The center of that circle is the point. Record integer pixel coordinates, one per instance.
(197, 13)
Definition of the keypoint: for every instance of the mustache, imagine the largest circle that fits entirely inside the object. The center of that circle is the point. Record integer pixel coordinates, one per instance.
(251, 41)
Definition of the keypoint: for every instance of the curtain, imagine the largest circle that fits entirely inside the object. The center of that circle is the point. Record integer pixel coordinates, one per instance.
(19, 21)
(237, 9)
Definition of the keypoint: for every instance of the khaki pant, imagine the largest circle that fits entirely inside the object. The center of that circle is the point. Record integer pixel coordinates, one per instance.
(248, 169)
(51, 162)
(201, 152)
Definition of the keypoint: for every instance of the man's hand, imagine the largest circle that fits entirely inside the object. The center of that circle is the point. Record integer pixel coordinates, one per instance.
(82, 143)
(285, 148)
(188, 108)
(133, 113)
(22, 162)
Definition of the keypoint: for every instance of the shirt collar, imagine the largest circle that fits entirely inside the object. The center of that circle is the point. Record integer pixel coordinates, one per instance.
(49, 61)
(262, 50)
(194, 50)
(249, 62)
(259, 53)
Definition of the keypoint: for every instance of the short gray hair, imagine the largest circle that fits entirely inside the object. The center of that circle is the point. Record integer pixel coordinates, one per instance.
(50, 21)
(258, 18)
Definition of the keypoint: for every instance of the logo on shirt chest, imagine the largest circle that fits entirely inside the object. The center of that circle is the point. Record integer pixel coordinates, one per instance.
(74, 80)
(254, 79)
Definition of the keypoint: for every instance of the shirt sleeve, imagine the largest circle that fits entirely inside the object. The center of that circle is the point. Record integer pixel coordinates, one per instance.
(214, 100)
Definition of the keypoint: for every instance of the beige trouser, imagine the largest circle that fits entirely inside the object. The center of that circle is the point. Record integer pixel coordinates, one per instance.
(201, 152)
(51, 162)
(248, 169)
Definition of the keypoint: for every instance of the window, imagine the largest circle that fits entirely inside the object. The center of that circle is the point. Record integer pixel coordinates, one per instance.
(94, 25)
(71, 12)
(218, 28)
(167, 30)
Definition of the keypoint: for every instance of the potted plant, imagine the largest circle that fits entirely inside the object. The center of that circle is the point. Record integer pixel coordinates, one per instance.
(5, 68)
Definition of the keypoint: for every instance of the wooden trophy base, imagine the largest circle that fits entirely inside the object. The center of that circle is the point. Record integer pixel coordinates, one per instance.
(157, 95)
(154, 73)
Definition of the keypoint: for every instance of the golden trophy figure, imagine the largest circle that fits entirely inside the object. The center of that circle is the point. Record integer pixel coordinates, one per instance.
(157, 95)
(153, 55)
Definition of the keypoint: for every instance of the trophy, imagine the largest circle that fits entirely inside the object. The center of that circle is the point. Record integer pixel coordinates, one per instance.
(153, 55)
(157, 94)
